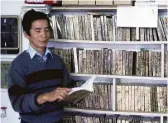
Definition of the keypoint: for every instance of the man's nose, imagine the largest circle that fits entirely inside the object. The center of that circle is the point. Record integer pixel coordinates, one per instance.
(43, 33)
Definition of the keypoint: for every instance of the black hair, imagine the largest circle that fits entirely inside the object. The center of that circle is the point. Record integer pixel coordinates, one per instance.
(31, 16)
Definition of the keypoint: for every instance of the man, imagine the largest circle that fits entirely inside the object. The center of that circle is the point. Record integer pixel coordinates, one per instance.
(36, 78)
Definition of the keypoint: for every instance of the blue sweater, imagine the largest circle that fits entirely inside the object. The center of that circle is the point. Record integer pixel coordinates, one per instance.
(27, 78)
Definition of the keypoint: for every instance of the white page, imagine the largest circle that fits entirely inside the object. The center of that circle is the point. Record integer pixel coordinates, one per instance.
(137, 16)
(88, 85)
(77, 89)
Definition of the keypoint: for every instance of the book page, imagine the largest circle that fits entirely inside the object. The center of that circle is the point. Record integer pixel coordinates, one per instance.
(88, 85)
(77, 96)
(78, 93)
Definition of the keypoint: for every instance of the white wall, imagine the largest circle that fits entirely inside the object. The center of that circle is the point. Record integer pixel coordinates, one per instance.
(11, 7)
(11, 115)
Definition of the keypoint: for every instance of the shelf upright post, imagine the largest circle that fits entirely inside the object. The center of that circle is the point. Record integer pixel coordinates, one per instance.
(137, 34)
(91, 23)
(161, 119)
(114, 95)
(162, 60)
(75, 60)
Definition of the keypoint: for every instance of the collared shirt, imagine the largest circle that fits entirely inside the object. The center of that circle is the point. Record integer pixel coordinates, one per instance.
(32, 52)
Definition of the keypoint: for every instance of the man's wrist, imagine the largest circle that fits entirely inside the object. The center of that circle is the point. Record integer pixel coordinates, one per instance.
(41, 99)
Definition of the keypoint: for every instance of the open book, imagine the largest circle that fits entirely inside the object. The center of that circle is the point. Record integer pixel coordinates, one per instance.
(78, 93)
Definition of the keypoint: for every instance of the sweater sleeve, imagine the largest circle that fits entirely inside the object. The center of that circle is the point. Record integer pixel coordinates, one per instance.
(22, 100)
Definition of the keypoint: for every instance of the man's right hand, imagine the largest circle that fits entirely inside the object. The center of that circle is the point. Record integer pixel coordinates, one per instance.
(57, 94)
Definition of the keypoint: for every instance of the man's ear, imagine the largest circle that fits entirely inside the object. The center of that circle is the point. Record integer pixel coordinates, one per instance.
(26, 35)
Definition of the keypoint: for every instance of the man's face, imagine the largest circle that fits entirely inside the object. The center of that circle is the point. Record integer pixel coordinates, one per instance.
(39, 34)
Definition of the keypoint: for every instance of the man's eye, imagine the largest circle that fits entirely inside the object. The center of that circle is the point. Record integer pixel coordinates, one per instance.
(37, 30)
(47, 30)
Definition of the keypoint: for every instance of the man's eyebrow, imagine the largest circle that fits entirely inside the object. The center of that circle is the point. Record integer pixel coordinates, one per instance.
(41, 28)
(37, 28)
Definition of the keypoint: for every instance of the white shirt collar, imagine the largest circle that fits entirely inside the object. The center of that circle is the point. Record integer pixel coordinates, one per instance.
(32, 52)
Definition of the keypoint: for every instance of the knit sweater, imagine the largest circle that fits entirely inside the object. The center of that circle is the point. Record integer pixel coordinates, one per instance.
(28, 78)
